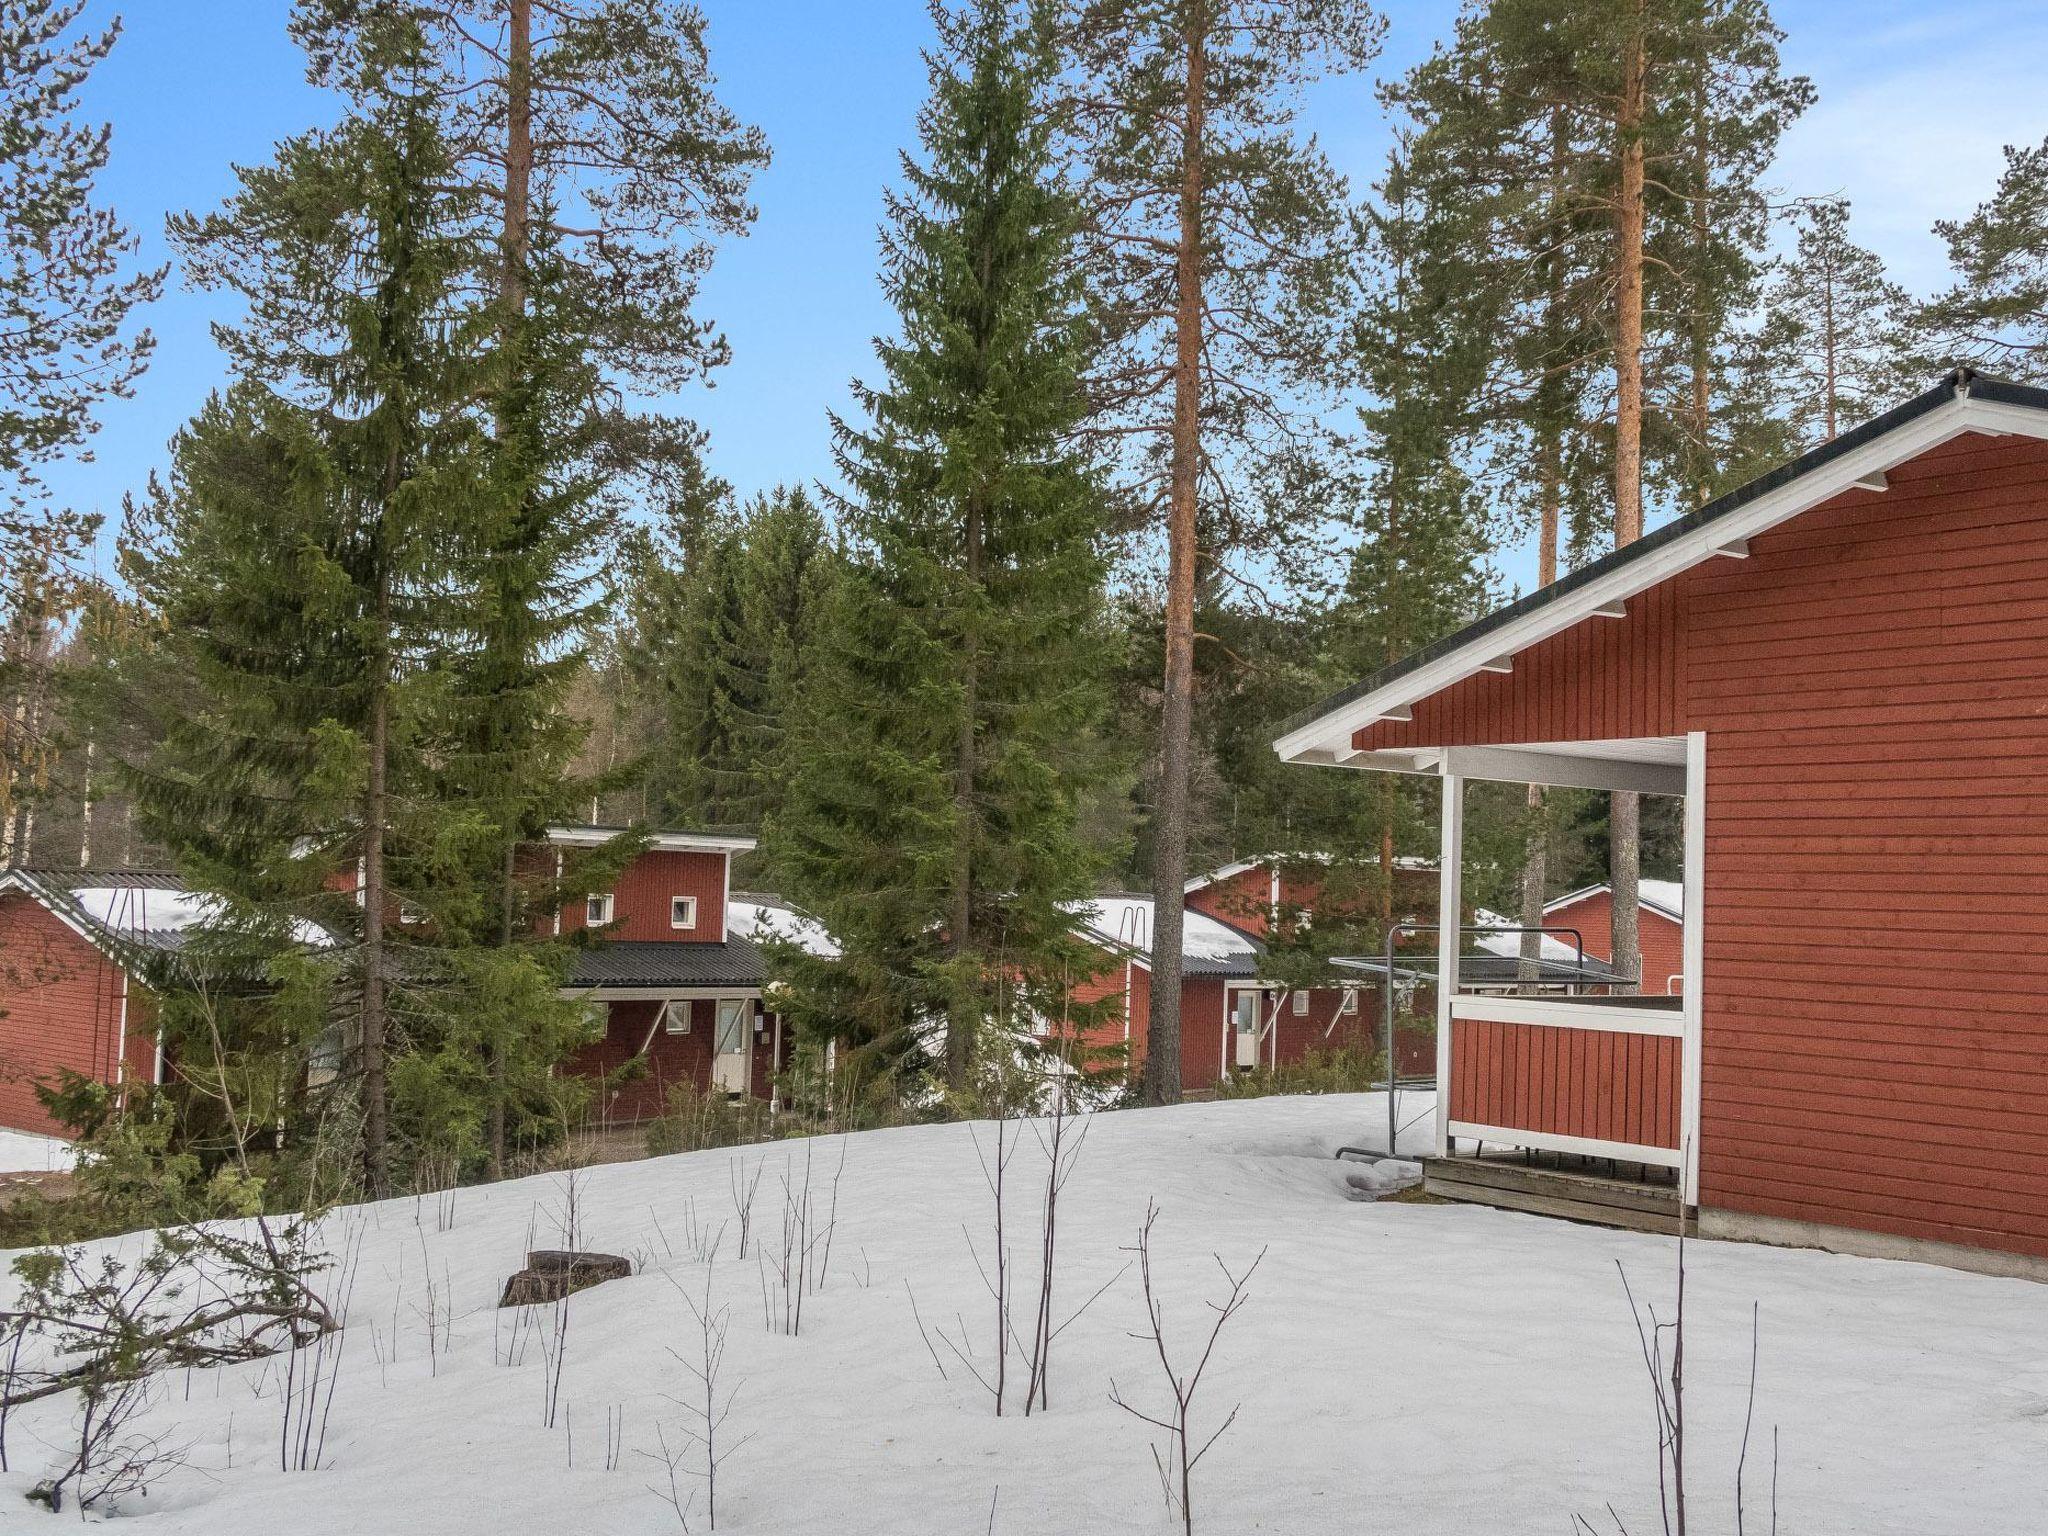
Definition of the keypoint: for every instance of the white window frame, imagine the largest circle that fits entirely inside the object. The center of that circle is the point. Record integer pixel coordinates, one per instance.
(690, 903)
(602, 901)
(1300, 1003)
(675, 1016)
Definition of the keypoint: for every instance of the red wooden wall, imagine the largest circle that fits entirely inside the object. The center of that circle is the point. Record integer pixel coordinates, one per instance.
(60, 1007)
(1873, 682)
(1661, 940)
(640, 898)
(671, 1058)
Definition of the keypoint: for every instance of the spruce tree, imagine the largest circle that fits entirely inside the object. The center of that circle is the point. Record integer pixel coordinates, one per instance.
(724, 640)
(1996, 313)
(1219, 245)
(930, 821)
(300, 559)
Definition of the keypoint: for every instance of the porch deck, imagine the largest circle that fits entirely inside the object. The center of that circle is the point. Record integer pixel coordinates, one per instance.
(1608, 1192)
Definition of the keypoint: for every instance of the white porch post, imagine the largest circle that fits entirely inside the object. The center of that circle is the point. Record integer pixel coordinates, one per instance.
(1694, 951)
(1450, 908)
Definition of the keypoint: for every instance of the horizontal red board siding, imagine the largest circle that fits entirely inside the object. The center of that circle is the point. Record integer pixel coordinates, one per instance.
(60, 1008)
(1873, 685)
(640, 898)
(1594, 1083)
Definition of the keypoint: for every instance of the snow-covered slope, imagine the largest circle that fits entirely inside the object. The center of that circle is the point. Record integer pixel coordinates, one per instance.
(1419, 1369)
(26, 1152)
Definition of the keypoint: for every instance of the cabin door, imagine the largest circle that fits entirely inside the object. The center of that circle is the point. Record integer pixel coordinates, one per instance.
(1247, 1021)
(731, 1044)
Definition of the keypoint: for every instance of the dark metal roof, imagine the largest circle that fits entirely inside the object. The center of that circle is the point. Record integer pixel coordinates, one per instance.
(83, 879)
(1958, 381)
(664, 963)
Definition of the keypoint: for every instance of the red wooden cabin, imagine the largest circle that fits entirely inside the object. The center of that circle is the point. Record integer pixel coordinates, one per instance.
(1843, 669)
(73, 946)
(1234, 1017)
(1660, 928)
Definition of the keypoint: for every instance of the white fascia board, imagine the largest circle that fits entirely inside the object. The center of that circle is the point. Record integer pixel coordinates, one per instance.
(14, 880)
(1331, 734)
(663, 842)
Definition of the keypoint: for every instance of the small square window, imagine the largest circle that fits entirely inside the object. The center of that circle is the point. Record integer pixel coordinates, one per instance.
(682, 911)
(1300, 1005)
(675, 1015)
(597, 910)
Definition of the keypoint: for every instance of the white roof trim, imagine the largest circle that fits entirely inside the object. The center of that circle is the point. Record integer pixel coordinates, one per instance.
(665, 842)
(1327, 739)
(1571, 898)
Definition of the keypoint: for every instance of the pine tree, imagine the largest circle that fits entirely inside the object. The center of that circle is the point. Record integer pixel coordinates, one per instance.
(1219, 245)
(1838, 333)
(930, 822)
(1996, 314)
(70, 291)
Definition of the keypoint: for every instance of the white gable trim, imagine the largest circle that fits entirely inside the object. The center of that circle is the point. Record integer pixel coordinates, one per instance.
(1327, 739)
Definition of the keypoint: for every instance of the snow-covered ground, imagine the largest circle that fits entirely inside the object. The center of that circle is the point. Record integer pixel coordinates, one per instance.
(21, 1152)
(1400, 1367)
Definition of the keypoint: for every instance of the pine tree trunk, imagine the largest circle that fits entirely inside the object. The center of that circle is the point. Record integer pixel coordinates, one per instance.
(1161, 1084)
(376, 811)
(1701, 333)
(1624, 816)
(515, 241)
(1536, 851)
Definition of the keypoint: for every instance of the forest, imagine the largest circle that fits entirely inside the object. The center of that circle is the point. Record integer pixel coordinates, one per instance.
(1176, 432)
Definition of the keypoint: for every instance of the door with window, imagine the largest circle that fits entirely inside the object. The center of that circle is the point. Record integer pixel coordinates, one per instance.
(732, 1041)
(1246, 1014)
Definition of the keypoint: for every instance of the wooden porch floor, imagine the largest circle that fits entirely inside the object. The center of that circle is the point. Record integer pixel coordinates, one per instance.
(1588, 1189)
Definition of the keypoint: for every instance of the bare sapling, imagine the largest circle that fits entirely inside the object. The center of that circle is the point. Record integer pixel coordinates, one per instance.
(743, 1191)
(1662, 1344)
(1177, 1459)
(703, 1445)
(554, 1344)
(786, 1264)
(306, 1394)
(994, 1269)
(1061, 1138)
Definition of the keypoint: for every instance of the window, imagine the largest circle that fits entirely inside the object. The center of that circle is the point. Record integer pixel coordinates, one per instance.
(1350, 1003)
(675, 1015)
(1300, 1004)
(682, 911)
(597, 910)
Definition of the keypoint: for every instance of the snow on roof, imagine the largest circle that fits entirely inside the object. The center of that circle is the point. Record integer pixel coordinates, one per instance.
(1510, 944)
(159, 917)
(1664, 897)
(1127, 920)
(1229, 871)
(660, 841)
(752, 916)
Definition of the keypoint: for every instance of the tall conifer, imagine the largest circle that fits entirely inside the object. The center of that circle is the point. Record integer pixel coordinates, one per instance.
(931, 814)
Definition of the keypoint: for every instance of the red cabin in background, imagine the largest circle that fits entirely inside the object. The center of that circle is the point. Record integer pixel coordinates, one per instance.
(677, 981)
(1660, 928)
(73, 944)
(1233, 1017)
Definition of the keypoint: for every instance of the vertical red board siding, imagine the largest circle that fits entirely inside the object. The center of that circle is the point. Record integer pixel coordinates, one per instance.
(1591, 1083)
(1873, 685)
(640, 898)
(60, 1007)
(1661, 940)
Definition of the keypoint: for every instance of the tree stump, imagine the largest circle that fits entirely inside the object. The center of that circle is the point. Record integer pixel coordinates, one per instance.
(552, 1273)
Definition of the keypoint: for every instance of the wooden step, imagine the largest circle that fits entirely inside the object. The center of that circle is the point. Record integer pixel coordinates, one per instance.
(1545, 1192)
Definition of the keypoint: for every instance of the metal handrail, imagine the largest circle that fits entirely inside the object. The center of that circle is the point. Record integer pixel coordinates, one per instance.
(1394, 932)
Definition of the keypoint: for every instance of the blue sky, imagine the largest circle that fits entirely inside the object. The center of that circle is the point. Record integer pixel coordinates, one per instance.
(1915, 104)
